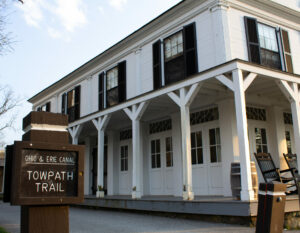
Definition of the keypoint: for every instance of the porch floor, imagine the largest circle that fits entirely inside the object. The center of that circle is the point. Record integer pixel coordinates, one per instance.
(201, 205)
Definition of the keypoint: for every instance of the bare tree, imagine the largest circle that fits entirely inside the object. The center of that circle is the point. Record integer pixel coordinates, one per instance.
(8, 104)
(5, 37)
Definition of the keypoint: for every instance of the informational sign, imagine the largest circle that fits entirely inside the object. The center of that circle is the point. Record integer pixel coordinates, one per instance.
(47, 174)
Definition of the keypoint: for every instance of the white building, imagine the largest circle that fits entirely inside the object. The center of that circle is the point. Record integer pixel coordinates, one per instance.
(171, 106)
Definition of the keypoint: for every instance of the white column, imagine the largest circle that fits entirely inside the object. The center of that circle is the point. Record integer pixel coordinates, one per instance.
(242, 130)
(188, 193)
(135, 114)
(100, 125)
(87, 154)
(75, 132)
(296, 125)
(183, 101)
(176, 141)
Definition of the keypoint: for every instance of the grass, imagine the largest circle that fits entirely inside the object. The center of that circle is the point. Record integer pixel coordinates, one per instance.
(2, 230)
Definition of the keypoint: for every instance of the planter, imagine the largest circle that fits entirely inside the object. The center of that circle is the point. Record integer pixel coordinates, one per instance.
(100, 194)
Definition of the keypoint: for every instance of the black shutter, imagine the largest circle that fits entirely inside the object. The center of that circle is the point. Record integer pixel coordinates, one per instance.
(39, 109)
(252, 40)
(77, 102)
(101, 91)
(190, 49)
(122, 81)
(286, 51)
(48, 107)
(63, 103)
(156, 53)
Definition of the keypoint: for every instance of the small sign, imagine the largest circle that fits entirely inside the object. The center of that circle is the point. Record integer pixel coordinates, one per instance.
(46, 173)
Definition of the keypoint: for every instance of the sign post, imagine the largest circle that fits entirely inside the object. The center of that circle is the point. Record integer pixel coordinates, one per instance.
(46, 174)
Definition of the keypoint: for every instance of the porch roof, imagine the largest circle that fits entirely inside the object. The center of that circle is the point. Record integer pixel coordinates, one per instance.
(222, 69)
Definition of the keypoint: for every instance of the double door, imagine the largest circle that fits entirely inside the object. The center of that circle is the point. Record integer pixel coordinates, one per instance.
(161, 164)
(206, 159)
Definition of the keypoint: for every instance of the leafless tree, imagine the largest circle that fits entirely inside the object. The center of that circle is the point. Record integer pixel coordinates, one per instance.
(8, 106)
(6, 38)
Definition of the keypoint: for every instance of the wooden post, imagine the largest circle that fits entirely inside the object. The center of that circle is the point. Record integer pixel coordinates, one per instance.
(47, 128)
(184, 101)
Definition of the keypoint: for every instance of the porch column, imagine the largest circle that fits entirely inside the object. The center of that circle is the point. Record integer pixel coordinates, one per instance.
(291, 90)
(75, 132)
(135, 114)
(184, 101)
(247, 192)
(87, 151)
(100, 125)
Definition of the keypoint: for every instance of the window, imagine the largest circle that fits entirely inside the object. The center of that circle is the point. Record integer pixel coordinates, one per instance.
(261, 140)
(112, 87)
(179, 54)
(288, 141)
(288, 118)
(45, 108)
(258, 114)
(169, 152)
(197, 148)
(160, 126)
(71, 104)
(155, 153)
(268, 46)
(115, 87)
(206, 115)
(215, 145)
(124, 158)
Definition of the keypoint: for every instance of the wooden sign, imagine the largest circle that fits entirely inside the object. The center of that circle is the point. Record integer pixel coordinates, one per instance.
(46, 173)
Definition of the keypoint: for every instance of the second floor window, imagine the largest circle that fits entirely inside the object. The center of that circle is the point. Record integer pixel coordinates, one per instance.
(45, 108)
(177, 54)
(112, 86)
(268, 46)
(71, 104)
(112, 96)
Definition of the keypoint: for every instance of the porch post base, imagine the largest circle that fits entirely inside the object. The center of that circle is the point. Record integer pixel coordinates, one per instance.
(100, 194)
(136, 195)
(247, 195)
(188, 196)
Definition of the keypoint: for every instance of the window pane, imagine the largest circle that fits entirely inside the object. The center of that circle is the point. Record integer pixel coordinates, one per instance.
(194, 159)
(200, 156)
(158, 161)
(258, 136)
(153, 160)
(169, 159)
(199, 139)
(219, 154)
(157, 146)
(168, 144)
(218, 137)
(112, 78)
(264, 136)
(152, 147)
(213, 154)
(193, 141)
(212, 139)
(258, 149)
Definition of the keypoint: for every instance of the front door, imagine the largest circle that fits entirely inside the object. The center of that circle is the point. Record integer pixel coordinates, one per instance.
(206, 159)
(161, 165)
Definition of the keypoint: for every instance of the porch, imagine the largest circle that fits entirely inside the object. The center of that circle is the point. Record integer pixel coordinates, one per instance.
(211, 208)
(201, 168)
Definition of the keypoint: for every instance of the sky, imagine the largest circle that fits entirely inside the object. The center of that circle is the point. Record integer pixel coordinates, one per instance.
(51, 38)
